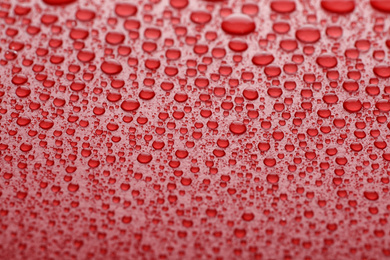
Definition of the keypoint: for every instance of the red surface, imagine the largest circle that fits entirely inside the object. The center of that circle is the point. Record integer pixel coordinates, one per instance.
(180, 129)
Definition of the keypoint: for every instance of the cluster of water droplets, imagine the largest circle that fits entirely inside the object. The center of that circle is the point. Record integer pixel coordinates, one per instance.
(177, 129)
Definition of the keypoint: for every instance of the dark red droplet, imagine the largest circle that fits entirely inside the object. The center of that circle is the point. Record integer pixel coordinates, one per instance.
(73, 187)
(78, 34)
(238, 24)
(115, 38)
(283, 6)
(111, 67)
(351, 86)
(248, 216)
(381, 5)
(281, 27)
(77, 86)
(352, 105)
(382, 71)
(21, 10)
(308, 34)
(289, 45)
(262, 59)
(132, 24)
(58, 2)
(240, 233)
(272, 71)
(383, 105)
(152, 64)
(144, 158)
(85, 15)
(250, 93)
(46, 124)
(371, 195)
(125, 9)
(113, 97)
(201, 82)
(237, 128)
(238, 45)
(23, 121)
(334, 32)
(127, 219)
(178, 4)
(270, 162)
(147, 94)
(338, 6)
(23, 91)
(327, 61)
(19, 79)
(130, 105)
(85, 56)
(200, 17)
(273, 178)
(250, 9)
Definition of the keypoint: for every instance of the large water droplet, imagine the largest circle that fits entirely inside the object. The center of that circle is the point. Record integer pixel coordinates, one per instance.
(283, 6)
(381, 5)
(125, 9)
(338, 6)
(352, 105)
(308, 34)
(238, 24)
(237, 128)
(58, 2)
(111, 67)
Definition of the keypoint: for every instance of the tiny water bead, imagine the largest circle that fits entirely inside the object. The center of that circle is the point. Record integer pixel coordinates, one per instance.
(237, 129)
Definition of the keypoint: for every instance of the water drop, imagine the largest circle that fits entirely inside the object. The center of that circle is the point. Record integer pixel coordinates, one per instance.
(308, 34)
(237, 128)
(338, 6)
(144, 158)
(283, 6)
(371, 195)
(130, 105)
(352, 105)
(58, 2)
(125, 9)
(111, 67)
(238, 24)
(381, 5)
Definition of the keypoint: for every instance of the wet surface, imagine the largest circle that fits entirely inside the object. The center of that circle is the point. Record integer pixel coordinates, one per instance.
(179, 129)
